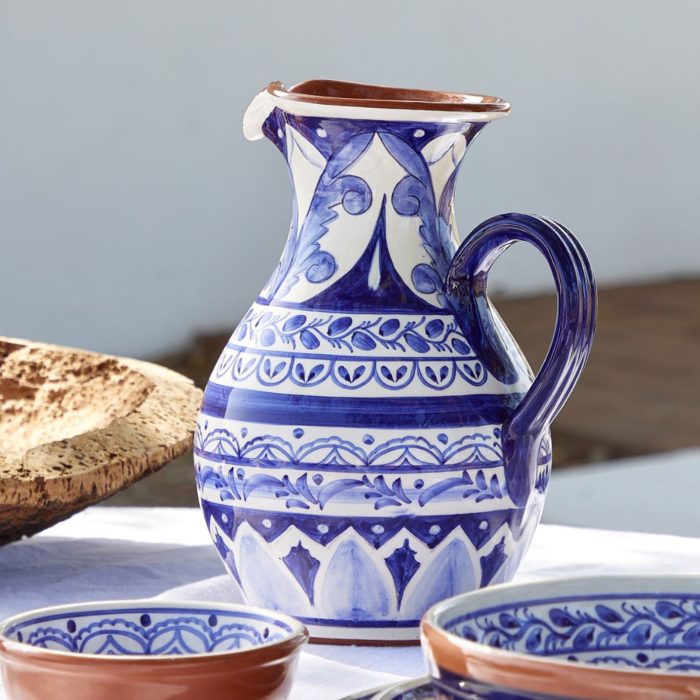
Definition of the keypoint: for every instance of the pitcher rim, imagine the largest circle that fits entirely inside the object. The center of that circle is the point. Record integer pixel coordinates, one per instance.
(321, 97)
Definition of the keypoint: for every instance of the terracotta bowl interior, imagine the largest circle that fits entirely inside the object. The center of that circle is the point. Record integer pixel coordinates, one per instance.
(147, 630)
(49, 394)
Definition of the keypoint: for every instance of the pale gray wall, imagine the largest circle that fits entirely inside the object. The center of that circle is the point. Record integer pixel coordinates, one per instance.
(133, 213)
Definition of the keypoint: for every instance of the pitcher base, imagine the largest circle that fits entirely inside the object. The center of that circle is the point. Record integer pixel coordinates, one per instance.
(370, 633)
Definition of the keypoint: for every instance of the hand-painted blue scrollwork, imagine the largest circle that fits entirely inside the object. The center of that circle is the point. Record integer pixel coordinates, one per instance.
(654, 629)
(148, 633)
(266, 326)
(408, 453)
(305, 491)
(304, 254)
(414, 196)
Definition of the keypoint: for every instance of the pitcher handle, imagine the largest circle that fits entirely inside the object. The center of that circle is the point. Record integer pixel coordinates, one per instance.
(571, 342)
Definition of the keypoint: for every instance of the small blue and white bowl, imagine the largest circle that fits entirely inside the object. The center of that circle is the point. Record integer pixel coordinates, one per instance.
(149, 650)
(600, 637)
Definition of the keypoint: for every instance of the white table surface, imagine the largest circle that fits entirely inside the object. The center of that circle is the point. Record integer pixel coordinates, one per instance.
(106, 553)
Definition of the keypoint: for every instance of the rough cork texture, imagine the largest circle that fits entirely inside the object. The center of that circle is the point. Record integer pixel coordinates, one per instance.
(75, 427)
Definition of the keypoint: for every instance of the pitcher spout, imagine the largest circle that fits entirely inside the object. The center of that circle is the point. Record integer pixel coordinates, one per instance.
(255, 115)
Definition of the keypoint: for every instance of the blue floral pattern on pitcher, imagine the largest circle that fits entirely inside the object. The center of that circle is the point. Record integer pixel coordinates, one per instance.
(350, 452)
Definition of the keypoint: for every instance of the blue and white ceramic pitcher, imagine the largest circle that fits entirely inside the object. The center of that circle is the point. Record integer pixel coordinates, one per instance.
(371, 439)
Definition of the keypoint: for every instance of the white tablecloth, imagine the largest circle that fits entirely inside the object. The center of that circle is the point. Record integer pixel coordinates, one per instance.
(106, 553)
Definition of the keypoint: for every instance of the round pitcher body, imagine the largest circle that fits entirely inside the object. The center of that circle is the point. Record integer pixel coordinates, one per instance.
(351, 471)
(350, 449)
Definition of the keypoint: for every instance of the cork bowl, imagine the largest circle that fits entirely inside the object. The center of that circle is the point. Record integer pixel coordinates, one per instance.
(76, 426)
(150, 650)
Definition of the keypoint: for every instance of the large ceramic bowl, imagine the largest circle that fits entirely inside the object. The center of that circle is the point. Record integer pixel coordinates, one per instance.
(76, 427)
(149, 650)
(603, 638)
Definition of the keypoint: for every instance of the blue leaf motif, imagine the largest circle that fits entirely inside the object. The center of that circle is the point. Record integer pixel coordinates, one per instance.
(333, 188)
(357, 197)
(668, 610)
(434, 328)
(267, 337)
(507, 621)
(407, 195)
(425, 279)
(293, 323)
(267, 367)
(264, 319)
(607, 614)
(461, 347)
(303, 488)
(639, 635)
(584, 638)
(242, 367)
(534, 639)
(389, 327)
(386, 373)
(397, 488)
(481, 480)
(495, 487)
(561, 618)
(258, 481)
(336, 487)
(344, 374)
(400, 372)
(431, 374)
(363, 341)
(340, 325)
(322, 265)
(692, 636)
(440, 487)
(309, 340)
(385, 501)
(315, 371)
(358, 373)
(416, 342)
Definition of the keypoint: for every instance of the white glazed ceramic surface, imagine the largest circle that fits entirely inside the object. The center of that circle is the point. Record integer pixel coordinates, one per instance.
(350, 451)
(148, 628)
(638, 635)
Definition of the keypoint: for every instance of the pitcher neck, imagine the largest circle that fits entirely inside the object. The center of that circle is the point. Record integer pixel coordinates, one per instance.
(372, 217)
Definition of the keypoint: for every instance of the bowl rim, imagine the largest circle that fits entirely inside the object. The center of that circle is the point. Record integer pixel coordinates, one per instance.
(545, 590)
(297, 637)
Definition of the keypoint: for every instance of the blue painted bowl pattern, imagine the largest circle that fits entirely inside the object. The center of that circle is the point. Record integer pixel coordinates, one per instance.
(349, 451)
(647, 631)
(149, 631)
